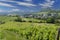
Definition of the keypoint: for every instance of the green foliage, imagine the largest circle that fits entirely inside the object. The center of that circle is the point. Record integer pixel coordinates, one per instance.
(1, 22)
(50, 20)
(57, 21)
(19, 19)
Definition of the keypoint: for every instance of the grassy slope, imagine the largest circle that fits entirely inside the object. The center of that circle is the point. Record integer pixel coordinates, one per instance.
(26, 31)
(18, 30)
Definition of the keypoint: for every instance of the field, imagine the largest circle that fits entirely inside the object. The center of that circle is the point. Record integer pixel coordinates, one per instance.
(12, 30)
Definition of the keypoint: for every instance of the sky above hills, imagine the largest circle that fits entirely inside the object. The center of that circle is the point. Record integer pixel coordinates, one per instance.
(27, 5)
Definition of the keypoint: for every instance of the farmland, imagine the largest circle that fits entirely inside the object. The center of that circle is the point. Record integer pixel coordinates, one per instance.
(27, 30)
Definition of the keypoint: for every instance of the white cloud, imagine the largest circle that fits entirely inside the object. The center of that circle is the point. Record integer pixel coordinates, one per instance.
(5, 4)
(28, 0)
(8, 0)
(25, 4)
(20, 3)
(48, 0)
(2, 10)
(4, 0)
(47, 4)
(14, 10)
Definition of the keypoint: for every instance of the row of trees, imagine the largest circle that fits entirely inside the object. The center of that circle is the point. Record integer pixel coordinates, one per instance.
(48, 20)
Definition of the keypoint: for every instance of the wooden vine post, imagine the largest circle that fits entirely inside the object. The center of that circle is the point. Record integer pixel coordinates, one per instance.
(58, 34)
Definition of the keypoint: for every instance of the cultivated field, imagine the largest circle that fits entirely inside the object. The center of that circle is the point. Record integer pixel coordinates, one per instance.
(12, 30)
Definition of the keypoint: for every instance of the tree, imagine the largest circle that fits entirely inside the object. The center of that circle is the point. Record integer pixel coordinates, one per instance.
(50, 20)
(19, 19)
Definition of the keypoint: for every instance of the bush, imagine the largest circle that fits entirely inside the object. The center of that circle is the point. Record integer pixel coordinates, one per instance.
(57, 21)
(19, 19)
(24, 21)
(2, 22)
(42, 21)
(50, 20)
(30, 21)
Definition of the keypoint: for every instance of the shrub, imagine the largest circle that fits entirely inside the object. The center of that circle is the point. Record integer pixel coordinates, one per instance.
(30, 21)
(24, 21)
(57, 21)
(19, 19)
(50, 20)
(2, 22)
(42, 21)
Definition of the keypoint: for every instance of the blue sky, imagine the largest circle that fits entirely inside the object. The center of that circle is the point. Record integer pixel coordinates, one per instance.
(27, 5)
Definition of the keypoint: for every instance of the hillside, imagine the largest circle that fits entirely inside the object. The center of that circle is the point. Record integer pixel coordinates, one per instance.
(14, 30)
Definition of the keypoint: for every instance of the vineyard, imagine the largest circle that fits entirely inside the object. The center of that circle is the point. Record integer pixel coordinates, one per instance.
(11, 30)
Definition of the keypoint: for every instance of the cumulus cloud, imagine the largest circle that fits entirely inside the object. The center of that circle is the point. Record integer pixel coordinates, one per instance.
(47, 3)
(25, 4)
(5, 4)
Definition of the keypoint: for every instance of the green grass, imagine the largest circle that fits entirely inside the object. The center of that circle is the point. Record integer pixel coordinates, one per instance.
(28, 31)
(12, 30)
(7, 18)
